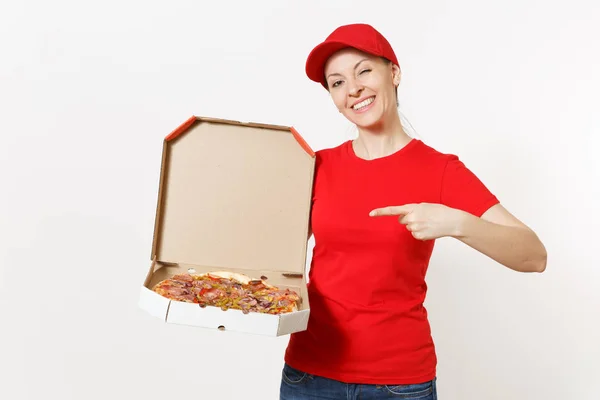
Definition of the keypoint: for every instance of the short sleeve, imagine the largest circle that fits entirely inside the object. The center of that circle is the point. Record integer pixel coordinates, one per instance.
(463, 190)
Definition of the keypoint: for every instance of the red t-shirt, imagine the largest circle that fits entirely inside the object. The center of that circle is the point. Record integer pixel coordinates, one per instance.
(367, 278)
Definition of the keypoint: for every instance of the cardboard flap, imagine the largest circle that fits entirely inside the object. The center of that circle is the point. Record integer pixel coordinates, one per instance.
(234, 195)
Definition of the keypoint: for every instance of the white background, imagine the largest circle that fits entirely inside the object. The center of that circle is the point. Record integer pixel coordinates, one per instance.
(89, 90)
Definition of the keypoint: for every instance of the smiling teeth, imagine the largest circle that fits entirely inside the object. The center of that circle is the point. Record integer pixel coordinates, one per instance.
(363, 103)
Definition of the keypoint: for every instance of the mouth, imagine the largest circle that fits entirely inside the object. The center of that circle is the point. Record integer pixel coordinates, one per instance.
(361, 106)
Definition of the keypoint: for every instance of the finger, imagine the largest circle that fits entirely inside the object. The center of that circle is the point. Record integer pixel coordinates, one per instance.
(411, 226)
(419, 235)
(392, 210)
(405, 219)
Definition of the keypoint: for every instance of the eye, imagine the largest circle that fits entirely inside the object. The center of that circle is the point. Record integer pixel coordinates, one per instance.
(364, 70)
(336, 83)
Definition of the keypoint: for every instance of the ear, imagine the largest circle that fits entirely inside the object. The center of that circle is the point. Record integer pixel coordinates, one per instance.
(396, 74)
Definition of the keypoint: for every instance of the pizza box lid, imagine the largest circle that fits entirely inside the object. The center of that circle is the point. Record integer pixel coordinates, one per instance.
(234, 195)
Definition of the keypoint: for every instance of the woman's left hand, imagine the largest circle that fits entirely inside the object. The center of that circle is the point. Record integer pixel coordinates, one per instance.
(426, 221)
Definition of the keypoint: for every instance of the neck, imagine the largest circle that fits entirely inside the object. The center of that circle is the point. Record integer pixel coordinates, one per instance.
(381, 140)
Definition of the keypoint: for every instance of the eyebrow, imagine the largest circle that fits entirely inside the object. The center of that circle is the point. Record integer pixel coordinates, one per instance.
(355, 66)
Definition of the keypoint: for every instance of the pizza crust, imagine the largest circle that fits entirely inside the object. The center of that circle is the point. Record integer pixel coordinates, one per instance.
(234, 275)
(229, 275)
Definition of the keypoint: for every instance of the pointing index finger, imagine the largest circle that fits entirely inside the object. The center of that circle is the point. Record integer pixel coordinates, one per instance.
(391, 210)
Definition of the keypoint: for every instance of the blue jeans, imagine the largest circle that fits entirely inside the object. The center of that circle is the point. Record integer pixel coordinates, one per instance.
(298, 385)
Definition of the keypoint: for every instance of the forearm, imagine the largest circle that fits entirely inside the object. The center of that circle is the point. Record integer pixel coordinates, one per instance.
(517, 248)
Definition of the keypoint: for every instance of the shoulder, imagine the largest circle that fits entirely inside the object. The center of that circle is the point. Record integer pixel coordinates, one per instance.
(430, 160)
(332, 153)
(427, 151)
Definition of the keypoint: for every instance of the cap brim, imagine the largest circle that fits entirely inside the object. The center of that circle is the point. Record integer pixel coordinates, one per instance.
(318, 57)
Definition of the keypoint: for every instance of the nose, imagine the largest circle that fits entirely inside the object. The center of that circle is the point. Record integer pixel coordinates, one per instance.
(354, 88)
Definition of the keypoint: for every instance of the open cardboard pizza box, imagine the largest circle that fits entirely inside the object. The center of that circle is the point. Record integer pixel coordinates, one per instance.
(232, 197)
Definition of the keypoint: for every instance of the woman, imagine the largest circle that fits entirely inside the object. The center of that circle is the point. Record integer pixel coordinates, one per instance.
(379, 203)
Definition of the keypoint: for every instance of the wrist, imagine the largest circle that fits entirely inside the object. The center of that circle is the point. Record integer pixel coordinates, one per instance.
(461, 223)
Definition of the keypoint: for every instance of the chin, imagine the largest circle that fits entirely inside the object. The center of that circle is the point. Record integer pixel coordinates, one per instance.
(368, 120)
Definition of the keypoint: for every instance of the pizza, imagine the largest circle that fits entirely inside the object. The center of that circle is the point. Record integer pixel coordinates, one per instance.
(228, 290)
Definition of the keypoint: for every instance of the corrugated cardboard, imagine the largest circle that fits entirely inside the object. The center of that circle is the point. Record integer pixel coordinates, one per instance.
(232, 197)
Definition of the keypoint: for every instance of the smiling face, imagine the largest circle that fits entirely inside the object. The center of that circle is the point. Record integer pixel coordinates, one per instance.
(362, 86)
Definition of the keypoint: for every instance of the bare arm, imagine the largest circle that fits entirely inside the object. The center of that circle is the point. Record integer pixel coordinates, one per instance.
(497, 234)
(502, 237)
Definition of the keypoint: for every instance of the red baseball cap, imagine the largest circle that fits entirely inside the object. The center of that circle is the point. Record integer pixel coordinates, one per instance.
(359, 36)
